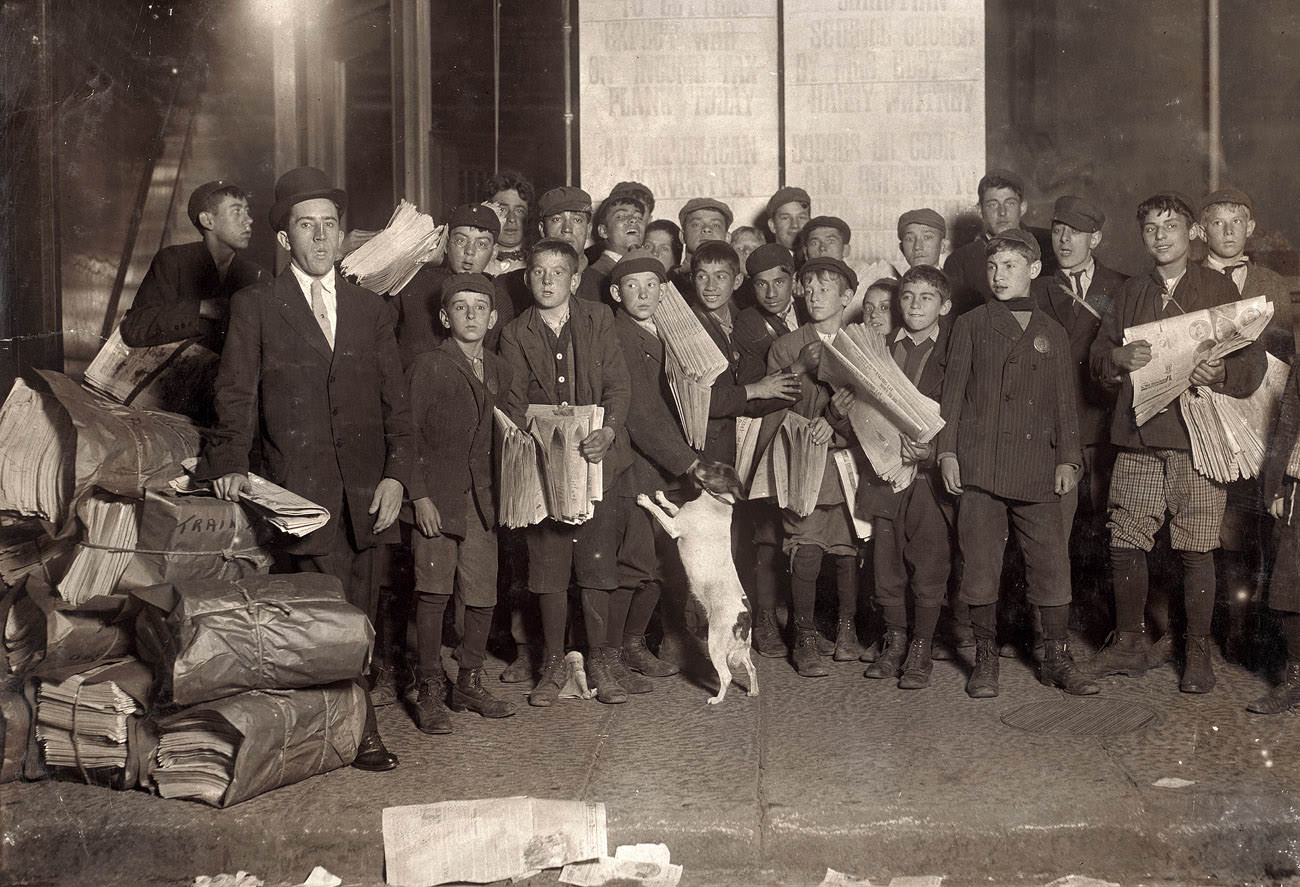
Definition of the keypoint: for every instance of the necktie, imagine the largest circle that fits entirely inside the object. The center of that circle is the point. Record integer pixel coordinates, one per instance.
(477, 364)
(1228, 269)
(318, 310)
(1077, 277)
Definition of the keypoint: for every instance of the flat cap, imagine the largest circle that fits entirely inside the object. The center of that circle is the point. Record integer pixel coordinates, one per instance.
(624, 191)
(566, 198)
(696, 204)
(467, 283)
(829, 222)
(787, 195)
(767, 257)
(475, 215)
(826, 263)
(1078, 213)
(1017, 236)
(636, 264)
(199, 196)
(926, 216)
(1228, 195)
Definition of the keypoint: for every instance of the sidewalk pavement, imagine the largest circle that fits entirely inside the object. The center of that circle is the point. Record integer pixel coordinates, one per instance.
(838, 772)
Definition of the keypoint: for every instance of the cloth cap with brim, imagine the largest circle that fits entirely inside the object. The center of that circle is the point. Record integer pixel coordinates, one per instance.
(1228, 195)
(467, 283)
(786, 195)
(475, 215)
(627, 191)
(1017, 236)
(826, 263)
(767, 257)
(200, 196)
(695, 204)
(565, 199)
(1013, 181)
(927, 217)
(1078, 213)
(636, 265)
(829, 222)
(303, 183)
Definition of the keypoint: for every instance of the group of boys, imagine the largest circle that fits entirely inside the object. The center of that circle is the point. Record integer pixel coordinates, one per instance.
(1019, 338)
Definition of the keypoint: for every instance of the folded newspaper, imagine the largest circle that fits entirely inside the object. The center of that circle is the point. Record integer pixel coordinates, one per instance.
(1179, 343)
(1229, 435)
(791, 468)
(521, 500)
(177, 377)
(286, 511)
(82, 721)
(692, 361)
(572, 485)
(386, 262)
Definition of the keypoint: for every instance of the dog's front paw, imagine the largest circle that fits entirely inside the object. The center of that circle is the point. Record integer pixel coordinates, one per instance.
(643, 500)
(714, 700)
(752, 691)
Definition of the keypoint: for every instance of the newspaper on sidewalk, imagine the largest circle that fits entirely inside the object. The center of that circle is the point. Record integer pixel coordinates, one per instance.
(635, 865)
(1179, 343)
(487, 840)
(387, 261)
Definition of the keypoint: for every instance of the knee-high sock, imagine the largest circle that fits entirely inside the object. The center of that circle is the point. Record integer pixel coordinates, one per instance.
(895, 616)
(766, 562)
(620, 600)
(1291, 634)
(642, 608)
(1055, 620)
(478, 621)
(846, 585)
(1198, 590)
(925, 620)
(595, 616)
(984, 621)
(430, 609)
(1128, 570)
(555, 617)
(805, 567)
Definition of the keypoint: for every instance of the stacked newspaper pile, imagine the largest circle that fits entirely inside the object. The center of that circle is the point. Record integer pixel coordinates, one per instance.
(570, 483)
(886, 404)
(792, 467)
(692, 361)
(83, 724)
(286, 511)
(1179, 343)
(195, 758)
(177, 377)
(386, 262)
(1229, 435)
(111, 525)
(522, 502)
(37, 441)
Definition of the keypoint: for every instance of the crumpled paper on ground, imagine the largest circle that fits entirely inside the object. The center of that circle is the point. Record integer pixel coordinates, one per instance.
(239, 879)
(839, 879)
(320, 877)
(575, 678)
(1080, 881)
(632, 865)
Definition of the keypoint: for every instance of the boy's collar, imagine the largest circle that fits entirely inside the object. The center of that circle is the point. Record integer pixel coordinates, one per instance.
(932, 334)
(471, 350)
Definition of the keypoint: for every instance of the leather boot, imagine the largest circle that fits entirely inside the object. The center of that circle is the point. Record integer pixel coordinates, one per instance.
(601, 675)
(847, 648)
(468, 694)
(807, 658)
(1198, 673)
(373, 756)
(1058, 670)
(872, 653)
(825, 646)
(637, 656)
(767, 636)
(891, 656)
(983, 681)
(917, 666)
(383, 685)
(431, 715)
(1127, 653)
(632, 681)
(549, 682)
(521, 669)
(1283, 697)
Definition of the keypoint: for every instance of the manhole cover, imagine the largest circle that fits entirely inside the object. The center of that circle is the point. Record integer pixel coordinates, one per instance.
(1079, 717)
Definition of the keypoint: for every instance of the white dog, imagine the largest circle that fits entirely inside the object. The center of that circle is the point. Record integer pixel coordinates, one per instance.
(702, 528)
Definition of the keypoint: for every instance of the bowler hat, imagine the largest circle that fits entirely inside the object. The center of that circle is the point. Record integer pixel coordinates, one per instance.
(303, 183)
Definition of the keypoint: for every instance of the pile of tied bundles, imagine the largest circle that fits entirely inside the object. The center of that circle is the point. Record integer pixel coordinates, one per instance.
(116, 586)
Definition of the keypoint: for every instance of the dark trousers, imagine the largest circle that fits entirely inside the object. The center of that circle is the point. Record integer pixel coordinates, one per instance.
(914, 548)
(983, 522)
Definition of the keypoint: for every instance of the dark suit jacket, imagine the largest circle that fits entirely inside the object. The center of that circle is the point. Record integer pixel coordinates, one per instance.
(1279, 336)
(1137, 301)
(419, 328)
(967, 270)
(452, 413)
(727, 399)
(754, 334)
(166, 306)
(1095, 400)
(876, 497)
(659, 449)
(330, 425)
(1008, 403)
(600, 372)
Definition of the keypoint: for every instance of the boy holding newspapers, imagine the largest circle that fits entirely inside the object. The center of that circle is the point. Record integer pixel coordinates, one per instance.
(1154, 475)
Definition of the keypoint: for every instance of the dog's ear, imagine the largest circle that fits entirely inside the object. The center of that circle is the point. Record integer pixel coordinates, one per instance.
(730, 480)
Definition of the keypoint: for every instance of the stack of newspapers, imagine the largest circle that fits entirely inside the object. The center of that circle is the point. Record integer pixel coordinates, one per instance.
(286, 511)
(543, 472)
(791, 468)
(196, 757)
(37, 441)
(106, 548)
(1180, 342)
(886, 405)
(692, 361)
(176, 377)
(522, 501)
(83, 724)
(386, 262)
(1229, 435)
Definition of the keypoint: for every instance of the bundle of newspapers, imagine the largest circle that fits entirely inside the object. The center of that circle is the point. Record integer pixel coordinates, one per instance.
(1229, 435)
(386, 262)
(692, 361)
(177, 377)
(791, 468)
(522, 502)
(286, 511)
(886, 404)
(82, 722)
(36, 442)
(1180, 342)
(571, 484)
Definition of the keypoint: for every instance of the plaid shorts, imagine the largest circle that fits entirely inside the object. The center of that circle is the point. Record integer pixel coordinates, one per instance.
(1147, 484)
